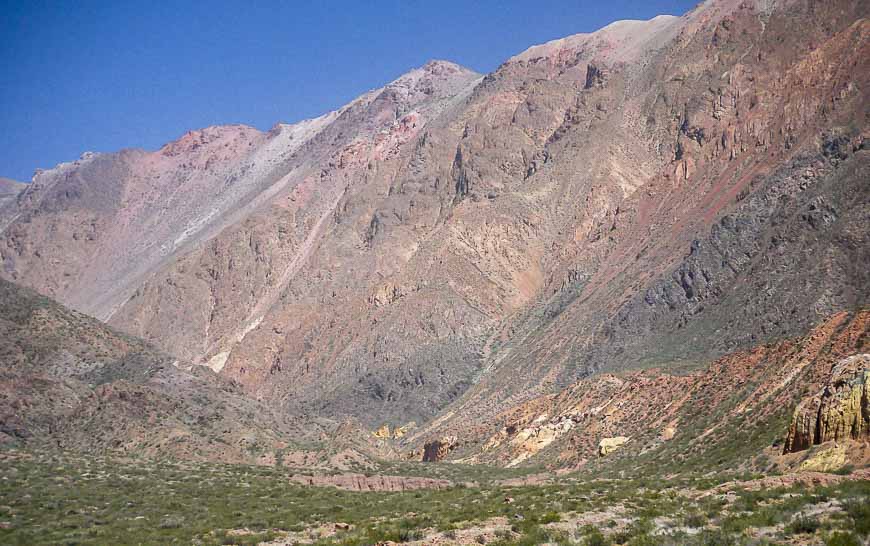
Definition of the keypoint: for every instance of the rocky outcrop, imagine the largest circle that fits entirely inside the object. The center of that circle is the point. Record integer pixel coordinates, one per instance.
(595, 76)
(527, 441)
(384, 432)
(804, 479)
(609, 445)
(361, 482)
(400, 432)
(830, 459)
(841, 411)
(438, 450)
(386, 294)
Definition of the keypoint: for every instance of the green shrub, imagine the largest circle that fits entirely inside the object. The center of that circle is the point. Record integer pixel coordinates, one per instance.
(596, 538)
(715, 538)
(695, 520)
(859, 511)
(803, 525)
(842, 539)
(549, 517)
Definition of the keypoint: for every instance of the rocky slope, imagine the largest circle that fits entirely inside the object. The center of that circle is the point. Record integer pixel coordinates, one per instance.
(732, 412)
(756, 240)
(68, 381)
(449, 247)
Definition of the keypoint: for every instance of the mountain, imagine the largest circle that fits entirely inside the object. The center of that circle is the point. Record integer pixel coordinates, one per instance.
(451, 247)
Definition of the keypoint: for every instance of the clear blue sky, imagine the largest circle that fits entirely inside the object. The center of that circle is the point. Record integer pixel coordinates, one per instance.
(104, 75)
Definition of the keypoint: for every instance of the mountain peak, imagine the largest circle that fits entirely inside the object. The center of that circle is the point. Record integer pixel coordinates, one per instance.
(437, 66)
(435, 70)
(435, 81)
(620, 40)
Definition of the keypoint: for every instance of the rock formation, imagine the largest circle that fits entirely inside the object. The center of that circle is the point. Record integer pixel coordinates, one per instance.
(609, 445)
(438, 450)
(830, 459)
(841, 411)
(361, 482)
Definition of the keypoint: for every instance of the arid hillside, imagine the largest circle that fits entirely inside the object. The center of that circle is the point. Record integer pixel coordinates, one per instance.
(69, 382)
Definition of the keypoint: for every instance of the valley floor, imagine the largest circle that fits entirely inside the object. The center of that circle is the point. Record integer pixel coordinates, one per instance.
(60, 498)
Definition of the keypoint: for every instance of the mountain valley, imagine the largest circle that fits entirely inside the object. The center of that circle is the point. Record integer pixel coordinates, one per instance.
(622, 281)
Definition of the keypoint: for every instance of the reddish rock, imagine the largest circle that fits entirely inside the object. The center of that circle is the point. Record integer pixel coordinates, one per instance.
(360, 482)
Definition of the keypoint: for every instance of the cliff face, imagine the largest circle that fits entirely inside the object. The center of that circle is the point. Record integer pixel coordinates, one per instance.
(451, 246)
(841, 411)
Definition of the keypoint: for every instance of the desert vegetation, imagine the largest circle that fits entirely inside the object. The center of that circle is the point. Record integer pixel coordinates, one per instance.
(53, 498)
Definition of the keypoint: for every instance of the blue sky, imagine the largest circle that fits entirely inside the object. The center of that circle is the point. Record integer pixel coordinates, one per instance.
(100, 76)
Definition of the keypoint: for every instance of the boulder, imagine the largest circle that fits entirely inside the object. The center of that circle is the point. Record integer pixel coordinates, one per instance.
(609, 445)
